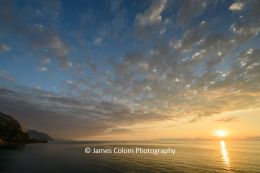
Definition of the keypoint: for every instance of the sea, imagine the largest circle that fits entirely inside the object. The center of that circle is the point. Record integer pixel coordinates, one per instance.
(78, 156)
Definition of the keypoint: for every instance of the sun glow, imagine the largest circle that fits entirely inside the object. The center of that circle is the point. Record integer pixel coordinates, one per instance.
(221, 133)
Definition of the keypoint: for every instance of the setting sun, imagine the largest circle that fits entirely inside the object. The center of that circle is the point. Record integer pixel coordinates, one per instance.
(221, 133)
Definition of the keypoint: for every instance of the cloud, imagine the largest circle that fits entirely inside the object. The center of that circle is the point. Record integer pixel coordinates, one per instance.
(227, 120)
(152, 16)
(191, 9)
(79, 116)
(189, 76)
(41, 69)
(200, 66)
(56, 47)
(4, 48)
(97, 41)
(45, 60)
(192, 36)
(237, 6)
(119, 130)
(4, 75)
(69, 82)
(39, 39)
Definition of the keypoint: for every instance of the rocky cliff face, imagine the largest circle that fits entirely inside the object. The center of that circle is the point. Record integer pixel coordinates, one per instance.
(33, 134)
(11, 132)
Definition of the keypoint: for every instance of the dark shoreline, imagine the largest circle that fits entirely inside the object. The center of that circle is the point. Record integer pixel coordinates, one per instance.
(21, 143)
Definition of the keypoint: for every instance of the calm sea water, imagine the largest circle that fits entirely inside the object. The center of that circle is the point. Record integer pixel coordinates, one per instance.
(190, 156)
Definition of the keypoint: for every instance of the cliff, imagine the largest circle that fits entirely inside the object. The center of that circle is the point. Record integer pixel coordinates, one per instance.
(11, 132)
(33, 134)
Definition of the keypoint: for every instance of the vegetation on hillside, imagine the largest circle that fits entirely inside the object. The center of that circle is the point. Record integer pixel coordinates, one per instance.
(11, 132)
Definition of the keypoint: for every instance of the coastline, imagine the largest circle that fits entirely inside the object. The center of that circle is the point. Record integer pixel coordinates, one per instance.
(31, 141)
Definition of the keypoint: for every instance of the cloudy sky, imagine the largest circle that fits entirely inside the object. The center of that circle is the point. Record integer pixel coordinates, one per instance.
(131, 69)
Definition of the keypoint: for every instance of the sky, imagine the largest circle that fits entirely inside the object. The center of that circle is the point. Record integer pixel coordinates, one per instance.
(131, 69)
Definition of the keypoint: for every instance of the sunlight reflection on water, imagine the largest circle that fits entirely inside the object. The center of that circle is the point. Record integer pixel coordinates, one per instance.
(224, 153)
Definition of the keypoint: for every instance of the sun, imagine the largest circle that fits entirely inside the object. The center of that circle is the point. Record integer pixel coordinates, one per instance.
(221, 133)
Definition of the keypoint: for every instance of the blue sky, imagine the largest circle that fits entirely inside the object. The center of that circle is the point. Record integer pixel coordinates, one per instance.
(146, 59)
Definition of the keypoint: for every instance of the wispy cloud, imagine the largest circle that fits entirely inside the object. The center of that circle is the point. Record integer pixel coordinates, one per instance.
(152, 16)
(37, 35)
(4, 75)
(4, 48)
(229, 119)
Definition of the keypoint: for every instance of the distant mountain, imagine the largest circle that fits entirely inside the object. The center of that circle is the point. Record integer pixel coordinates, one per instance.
(11, 132)
(33, 134)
